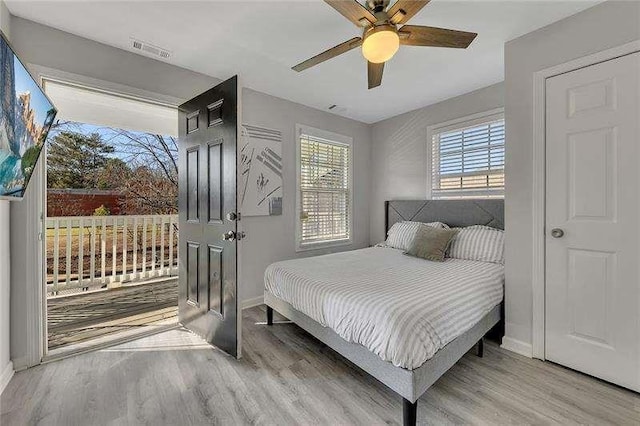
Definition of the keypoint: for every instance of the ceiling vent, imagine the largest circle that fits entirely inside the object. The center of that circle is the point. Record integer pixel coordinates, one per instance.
(150, 49)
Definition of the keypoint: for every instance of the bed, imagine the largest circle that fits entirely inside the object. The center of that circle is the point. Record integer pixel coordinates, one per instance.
(405, 335)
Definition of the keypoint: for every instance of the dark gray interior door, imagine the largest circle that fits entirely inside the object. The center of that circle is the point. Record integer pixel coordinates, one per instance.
(208, 303)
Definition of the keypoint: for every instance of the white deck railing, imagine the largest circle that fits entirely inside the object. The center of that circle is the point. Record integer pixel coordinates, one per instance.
(92, 252)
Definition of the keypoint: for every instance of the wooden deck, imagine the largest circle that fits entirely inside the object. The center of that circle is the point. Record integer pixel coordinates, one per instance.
(81, 317)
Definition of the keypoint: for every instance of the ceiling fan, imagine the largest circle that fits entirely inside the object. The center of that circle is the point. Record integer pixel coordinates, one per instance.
(381, 36)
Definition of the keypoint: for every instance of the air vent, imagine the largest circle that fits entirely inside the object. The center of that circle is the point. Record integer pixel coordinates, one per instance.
(150, 49)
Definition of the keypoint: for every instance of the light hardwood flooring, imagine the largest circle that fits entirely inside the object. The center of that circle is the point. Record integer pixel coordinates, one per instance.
(286, 377)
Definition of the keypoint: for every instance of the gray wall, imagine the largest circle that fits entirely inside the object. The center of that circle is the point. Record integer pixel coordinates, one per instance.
(5, 261)
(399, 152)
(606, 25)
(46, 46)
(270, 239)
(26, 255)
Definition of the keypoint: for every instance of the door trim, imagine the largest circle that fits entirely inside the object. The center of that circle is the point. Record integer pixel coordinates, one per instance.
(539, 193)
(37, 351)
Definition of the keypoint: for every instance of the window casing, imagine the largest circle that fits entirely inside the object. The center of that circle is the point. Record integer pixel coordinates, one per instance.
(467, 157)
(324, 189)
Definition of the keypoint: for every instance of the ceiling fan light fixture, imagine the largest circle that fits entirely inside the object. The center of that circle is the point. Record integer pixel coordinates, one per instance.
(379, 21)
(380, 44)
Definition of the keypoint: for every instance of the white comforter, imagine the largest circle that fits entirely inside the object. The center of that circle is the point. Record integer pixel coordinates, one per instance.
(403, 309)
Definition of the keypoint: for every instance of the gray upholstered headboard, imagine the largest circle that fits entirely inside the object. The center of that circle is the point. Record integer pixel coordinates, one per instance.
(455, 213)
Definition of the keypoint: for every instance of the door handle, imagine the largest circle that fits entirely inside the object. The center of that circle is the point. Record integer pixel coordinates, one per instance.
(557, 233)
(229, 236)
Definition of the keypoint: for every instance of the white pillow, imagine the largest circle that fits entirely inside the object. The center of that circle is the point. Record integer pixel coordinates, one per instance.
(478, 242)
(401, 234)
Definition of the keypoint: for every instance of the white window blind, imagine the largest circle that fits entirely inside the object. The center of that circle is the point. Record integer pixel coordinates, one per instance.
(324, 191)
(468, 161)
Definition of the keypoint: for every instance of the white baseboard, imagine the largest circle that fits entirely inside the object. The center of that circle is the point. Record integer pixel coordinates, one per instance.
(517, 346)
(250, 303)
(21, 363)
(6, 376)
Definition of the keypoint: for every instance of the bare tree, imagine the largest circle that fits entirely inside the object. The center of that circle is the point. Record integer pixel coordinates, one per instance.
(156, 152)
(152, 186)
(142, 166)
(149, 192)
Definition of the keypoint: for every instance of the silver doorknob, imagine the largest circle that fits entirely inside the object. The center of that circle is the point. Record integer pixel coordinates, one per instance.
(229, 236)
(557, 233)
(231, 216)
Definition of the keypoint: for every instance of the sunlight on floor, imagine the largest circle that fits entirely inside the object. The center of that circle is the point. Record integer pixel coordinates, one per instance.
(172, 340)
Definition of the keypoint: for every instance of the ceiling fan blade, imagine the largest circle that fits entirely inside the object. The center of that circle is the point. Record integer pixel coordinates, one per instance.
(403, 10)
(374, 72)
(416, 35)
(353, 11)
(328, 54)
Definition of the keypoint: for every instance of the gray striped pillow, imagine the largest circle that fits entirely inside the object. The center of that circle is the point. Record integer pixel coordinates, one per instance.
(478, 242)
(401, 234)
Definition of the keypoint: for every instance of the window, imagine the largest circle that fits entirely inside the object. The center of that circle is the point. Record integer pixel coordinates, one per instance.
(468, 158)
(324, 188)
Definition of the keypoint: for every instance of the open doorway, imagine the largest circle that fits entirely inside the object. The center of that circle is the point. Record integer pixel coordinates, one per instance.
(111, 237)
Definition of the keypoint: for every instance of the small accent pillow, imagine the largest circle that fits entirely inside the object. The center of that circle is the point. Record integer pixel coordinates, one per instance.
(431, 243)
(478, 242)
(401, 234)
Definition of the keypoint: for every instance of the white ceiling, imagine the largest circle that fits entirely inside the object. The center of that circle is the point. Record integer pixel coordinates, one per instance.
(261, 40)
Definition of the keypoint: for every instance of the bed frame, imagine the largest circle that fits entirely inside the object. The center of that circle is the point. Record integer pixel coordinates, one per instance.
(411, 384)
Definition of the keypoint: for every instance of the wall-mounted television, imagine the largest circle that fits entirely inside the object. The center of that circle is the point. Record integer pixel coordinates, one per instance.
(26, 115)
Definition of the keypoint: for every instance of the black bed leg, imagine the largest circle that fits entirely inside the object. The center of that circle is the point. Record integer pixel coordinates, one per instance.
(269, 315)
(480, 352)
(409, 410)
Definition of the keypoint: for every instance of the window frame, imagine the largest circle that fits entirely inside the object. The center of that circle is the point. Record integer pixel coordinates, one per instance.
(458, 124)
(337, 139)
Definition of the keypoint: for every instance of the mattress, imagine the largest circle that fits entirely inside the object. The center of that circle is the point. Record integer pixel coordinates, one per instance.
(403, 309)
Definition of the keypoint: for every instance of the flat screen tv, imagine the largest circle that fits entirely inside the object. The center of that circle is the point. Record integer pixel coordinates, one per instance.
(26, 115)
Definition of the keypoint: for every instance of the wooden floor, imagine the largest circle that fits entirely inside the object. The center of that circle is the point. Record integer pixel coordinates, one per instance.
(286, 377)
(86, 316)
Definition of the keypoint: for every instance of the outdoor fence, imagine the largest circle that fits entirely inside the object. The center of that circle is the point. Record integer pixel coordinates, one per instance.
(97, 252)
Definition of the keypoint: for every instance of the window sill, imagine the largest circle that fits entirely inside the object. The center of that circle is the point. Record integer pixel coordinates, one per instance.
(469, 197)
(323, 245)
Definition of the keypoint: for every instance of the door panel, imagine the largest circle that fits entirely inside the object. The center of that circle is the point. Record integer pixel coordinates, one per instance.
(593, 196)
(215, 168)
(193, 267)
(590, 282)
(208, 302)
(215, 282)
(192, 188)
(592, 159)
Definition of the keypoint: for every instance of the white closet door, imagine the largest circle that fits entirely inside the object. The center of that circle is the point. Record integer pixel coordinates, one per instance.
(593, 220)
